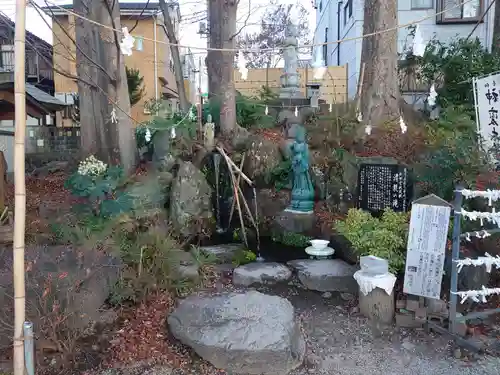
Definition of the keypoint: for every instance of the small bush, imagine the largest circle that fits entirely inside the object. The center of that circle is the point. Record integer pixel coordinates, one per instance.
(292, 239)
(281, 176)
(243, 256)
(385, 237)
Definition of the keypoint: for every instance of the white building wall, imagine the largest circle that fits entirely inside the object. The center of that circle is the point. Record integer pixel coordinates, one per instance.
(350, 50)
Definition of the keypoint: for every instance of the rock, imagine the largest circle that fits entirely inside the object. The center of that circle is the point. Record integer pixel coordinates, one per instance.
(294, 222)
(222, 253)
(184, 265)
(343, 249)
(326, 275)
(95, 273)
(51, 167)
(240, 137)
(190, 201)
(261, 158)
(270, 203)
(261, 273)
(408, 345)
(242, 333)
(189, 272)
(53, 210)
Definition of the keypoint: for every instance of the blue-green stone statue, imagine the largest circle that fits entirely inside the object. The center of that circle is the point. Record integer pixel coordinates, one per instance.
(302, 187)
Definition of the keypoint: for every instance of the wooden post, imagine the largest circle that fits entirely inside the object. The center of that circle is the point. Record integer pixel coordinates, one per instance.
(19, 184)
(377, 306)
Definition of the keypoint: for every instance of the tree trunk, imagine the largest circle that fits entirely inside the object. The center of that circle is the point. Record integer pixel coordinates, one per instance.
(111, 142)
(380, 87)
(174, 50)
(222, 27)
(495, 48)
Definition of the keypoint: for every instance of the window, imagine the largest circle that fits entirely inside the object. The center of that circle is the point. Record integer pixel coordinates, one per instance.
(457, 11)
(139, 43)
(347, 11)
(422, 4)
(325, 48)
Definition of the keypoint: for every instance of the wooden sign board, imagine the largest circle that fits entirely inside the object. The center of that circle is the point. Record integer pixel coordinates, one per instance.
(427, 238)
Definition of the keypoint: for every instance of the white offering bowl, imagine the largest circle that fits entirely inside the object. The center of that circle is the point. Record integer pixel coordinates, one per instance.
(319, 244)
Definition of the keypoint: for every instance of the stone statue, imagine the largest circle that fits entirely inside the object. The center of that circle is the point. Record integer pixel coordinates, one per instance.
(302, 187)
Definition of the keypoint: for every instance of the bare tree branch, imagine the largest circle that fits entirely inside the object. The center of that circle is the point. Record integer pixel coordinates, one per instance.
(244, 23)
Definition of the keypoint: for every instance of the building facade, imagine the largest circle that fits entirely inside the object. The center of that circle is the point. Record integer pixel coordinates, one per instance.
(153, 60)
(442, 19)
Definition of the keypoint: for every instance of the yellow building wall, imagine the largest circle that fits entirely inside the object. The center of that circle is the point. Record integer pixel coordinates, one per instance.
(333, 85)
(143, 60)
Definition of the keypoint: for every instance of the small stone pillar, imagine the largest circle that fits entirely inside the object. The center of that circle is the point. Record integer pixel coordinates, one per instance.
(376, 296)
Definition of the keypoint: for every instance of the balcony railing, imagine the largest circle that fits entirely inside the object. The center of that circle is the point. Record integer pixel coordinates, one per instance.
(33, 67)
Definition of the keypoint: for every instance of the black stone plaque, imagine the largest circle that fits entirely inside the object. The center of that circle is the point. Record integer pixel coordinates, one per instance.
(384, 185)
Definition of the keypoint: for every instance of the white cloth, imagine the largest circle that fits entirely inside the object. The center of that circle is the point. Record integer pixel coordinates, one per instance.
(369, 282)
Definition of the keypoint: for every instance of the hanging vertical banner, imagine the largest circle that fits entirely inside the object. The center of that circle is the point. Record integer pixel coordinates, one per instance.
(486, 97)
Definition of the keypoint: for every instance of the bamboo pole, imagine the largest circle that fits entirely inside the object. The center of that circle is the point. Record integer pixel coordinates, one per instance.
(19, 184)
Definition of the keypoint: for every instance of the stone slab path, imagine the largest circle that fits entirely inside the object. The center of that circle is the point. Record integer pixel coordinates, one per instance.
(341, 342)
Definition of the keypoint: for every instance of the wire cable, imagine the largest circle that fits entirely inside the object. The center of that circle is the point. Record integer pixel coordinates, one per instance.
(402, 26)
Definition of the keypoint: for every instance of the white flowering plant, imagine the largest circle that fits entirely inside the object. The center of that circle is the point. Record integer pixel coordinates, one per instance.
(99, 185)
(92, 166)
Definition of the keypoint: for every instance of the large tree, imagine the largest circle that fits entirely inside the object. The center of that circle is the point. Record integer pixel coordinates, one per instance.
(222, 35)
(272, 34)
(380, 87)
(170, 27)
(107, 130)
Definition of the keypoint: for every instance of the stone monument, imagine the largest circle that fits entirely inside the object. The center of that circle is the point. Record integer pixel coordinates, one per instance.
(290, 88)
(299, 216)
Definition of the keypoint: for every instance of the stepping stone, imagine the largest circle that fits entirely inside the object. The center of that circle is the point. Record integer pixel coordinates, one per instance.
(326, 275)
(223, 253)
(261, 273)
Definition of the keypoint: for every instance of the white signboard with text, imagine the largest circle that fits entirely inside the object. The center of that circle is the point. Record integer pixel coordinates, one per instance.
(427, 239)
(487, 100)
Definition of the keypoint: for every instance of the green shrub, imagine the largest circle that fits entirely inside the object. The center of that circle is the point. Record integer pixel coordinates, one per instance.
(292, 239)
(385, 237)
(281, 176)
(243, 256)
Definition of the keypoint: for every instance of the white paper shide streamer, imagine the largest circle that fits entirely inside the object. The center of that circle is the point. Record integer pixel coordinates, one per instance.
(481, 234)
(127, 43)
(319, 68)
(491, 217)
(418, 47)
(114, 117)
(490, 195)
(402, 125)
(242, 66)
(488, 261)
(431, 99)
(478, 296)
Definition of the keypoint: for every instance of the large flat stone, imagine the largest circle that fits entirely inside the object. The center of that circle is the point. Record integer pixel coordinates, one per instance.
(326, 275)
(243, 333)
(261, 273)
(223, 253)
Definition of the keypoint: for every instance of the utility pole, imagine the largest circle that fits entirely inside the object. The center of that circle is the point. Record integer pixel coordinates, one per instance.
(19, 185)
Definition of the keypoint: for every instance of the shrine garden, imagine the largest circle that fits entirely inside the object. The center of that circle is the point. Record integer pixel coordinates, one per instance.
(292, 247)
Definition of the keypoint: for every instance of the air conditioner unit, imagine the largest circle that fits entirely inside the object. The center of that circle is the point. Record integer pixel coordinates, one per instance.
(203, 28)
(70, 99)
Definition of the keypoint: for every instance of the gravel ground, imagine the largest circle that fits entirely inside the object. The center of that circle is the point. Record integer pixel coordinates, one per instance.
(341, 342)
